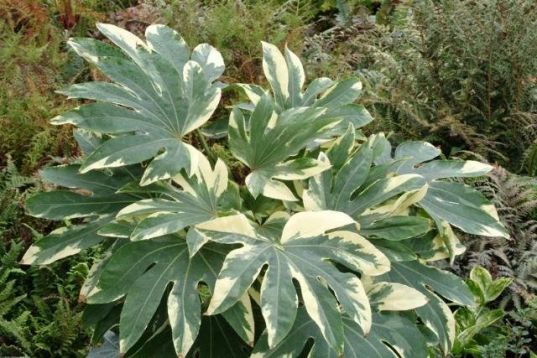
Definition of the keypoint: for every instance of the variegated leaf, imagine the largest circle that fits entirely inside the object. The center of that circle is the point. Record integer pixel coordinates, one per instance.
(463, 207)
(286, 77)
(241, 317)
(64, 242)
(298, 250)
(217, 339)
(390, 296)
(266, 140)
(458, 204)
(95, 196)
(160, 93)
(196, 203)
(395, 228)
(142, 271)
(349, 189)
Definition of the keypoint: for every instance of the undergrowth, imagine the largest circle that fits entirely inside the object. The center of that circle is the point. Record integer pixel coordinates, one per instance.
(34, 64)
(237, 27)
(39, 313)
(516, 257)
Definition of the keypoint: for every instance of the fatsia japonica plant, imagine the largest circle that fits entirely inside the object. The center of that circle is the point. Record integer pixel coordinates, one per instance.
(320, 244)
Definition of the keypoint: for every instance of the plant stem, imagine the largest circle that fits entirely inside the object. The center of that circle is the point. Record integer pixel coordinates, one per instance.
(206, 148)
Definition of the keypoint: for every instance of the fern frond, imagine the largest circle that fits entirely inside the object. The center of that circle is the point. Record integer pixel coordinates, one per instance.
(515, 198)
(530, 159)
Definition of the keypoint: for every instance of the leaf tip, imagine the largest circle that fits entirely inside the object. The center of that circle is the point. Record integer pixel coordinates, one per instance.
(30, 256)
(82, 298)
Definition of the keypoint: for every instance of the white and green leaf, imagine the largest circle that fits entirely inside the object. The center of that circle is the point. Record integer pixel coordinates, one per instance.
(299, 252)
(196, 203)
(455, 203)
(141, 272)
(436, 314)
(159, 94)
(347, 189)
(267, 140)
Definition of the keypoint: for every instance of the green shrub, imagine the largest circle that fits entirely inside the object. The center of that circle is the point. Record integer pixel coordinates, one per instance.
(323, 234)
(488, 331)
(467, 70)
(460, 74)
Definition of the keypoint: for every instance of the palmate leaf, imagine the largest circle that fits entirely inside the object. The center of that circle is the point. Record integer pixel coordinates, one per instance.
(345, 187)
(95, 197)
(447, 203)
(388, 329)
(296, 248)
(267, 140)
(215, 339)
(390, 332)
(286, 77)
(179, 209)
(142, 272)
(160, 93)
(352, 186)
(455, 203)
(95, 194)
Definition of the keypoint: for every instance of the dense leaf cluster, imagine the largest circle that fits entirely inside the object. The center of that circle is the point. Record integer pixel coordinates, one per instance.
(327, 237)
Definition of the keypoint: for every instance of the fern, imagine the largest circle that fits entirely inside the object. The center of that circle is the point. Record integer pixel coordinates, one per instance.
(516, 200)
(530, 159)
(12, 183)
(48, 322)
(58, 329)
(13, 327)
